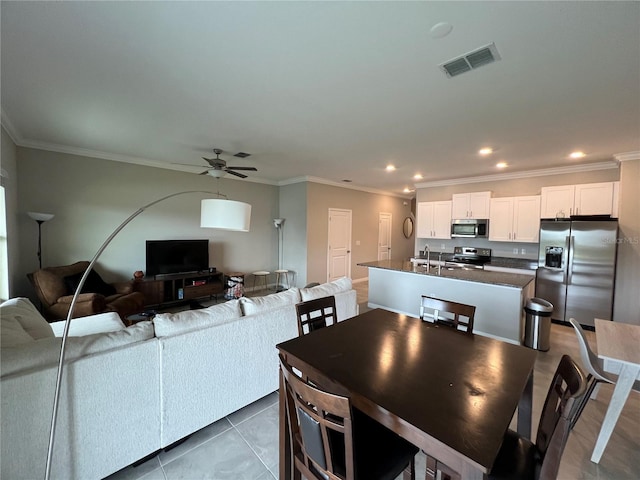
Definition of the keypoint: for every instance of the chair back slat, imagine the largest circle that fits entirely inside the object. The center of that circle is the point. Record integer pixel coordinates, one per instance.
(562, 407)
(444, 312)
(315, 314)
(321, 428)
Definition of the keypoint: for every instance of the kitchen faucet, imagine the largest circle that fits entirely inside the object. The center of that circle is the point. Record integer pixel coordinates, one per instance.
(428, 250)
(439, 262)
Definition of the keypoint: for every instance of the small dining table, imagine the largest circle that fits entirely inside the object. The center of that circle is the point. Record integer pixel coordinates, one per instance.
(617, 342)
(450, 393)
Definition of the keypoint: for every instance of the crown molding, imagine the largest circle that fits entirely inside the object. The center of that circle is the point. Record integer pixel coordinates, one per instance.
(625, 157)
(10, 128)
(324, 181)
(586, 167)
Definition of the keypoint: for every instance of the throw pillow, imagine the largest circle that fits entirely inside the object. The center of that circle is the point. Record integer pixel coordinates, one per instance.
(167, 324)
(81, 326)
(326, 289)
(93, 284)
(254, 305)
(27, 316)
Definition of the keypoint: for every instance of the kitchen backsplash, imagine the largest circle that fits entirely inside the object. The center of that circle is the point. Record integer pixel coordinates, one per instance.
(498, 249)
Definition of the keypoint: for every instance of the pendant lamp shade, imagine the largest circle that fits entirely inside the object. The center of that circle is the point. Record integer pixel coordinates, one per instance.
(225, 214)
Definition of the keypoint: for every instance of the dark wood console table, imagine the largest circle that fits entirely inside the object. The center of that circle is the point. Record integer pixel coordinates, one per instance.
(173, 288)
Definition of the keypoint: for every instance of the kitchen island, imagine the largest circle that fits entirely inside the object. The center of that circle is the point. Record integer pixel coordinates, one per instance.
(499, 297)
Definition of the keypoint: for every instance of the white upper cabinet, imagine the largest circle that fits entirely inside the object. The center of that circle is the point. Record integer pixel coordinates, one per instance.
(471, 205)
(434, 220)
(594, 199)
(585, 199)
(515, 219)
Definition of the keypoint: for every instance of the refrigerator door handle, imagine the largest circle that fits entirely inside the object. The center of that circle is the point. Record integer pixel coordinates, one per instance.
(571, 240)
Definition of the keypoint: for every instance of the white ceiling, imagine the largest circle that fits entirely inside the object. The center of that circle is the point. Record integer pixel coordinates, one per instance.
(326, 89)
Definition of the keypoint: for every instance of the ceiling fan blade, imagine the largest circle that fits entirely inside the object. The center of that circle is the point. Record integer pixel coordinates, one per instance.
(204, 173)
(253, 169)
(235, 173)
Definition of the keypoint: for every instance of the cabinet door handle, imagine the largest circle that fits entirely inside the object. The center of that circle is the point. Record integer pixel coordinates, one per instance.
(514, 235)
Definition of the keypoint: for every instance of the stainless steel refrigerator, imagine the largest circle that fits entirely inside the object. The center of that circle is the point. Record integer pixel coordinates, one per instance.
(576, 268)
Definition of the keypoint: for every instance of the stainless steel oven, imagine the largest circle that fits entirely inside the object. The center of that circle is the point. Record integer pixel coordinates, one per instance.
(470, 228)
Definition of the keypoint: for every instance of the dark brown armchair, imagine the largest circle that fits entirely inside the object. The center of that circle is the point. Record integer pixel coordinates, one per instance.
(55, 287)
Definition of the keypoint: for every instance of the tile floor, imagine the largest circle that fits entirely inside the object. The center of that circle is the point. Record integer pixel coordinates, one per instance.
(244, 445)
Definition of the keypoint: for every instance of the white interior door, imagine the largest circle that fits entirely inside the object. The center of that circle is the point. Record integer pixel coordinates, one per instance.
(339, 254)
(384, 236)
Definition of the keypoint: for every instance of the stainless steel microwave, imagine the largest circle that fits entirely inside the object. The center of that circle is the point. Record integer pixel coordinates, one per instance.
(474, 228)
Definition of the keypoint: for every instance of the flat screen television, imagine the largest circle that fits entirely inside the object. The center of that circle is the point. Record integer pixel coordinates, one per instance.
(177, 256)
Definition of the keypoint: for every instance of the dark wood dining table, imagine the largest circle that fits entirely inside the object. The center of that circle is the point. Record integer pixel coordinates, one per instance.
(450, 393)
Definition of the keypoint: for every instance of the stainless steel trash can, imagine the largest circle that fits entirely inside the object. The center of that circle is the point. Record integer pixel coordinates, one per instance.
(537, 327)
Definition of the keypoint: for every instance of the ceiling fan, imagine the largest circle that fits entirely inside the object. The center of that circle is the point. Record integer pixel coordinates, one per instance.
(218, 167)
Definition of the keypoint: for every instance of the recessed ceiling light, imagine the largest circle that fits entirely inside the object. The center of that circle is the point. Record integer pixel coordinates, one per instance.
(501, 165)
(485, 151)
(390, 168)
(418, 176)
(577, 154)
(408, 190)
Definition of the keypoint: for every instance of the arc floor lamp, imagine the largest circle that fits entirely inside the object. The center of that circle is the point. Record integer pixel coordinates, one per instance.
(219, 213)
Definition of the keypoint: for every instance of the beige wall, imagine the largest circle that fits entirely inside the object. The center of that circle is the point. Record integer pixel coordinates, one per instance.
(8, 163)
(90, 198)
(293, 208)
(627, 298)
(365, 208)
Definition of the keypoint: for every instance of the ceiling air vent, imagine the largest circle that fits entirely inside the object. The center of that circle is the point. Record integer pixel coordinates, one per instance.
(470, 61)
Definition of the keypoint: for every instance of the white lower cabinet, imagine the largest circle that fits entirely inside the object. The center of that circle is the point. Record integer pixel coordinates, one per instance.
(515, 219)
(434, 220)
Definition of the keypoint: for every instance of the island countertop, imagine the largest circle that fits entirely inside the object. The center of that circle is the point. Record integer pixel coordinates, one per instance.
(514, 280)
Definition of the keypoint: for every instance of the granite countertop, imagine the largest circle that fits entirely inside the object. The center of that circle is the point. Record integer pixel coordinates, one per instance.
(521, 263)
(515, 280)
(505, 262)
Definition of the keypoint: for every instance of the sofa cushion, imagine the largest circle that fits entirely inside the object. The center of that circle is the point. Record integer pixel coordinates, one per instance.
(27, 315)
(46, 351)
(251, 306)
(93, 284)
(326, 289)
(167, 324)
(12, 333)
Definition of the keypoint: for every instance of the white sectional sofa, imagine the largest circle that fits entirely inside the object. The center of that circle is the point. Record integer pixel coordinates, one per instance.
(129, 392)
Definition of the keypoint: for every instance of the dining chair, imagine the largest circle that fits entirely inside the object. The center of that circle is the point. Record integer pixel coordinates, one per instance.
(460, 316)
(593, 365)
(521, 459)
(332, 440)
(315, 314)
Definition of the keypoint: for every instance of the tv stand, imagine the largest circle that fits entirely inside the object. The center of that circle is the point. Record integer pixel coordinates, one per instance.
(167, 289)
